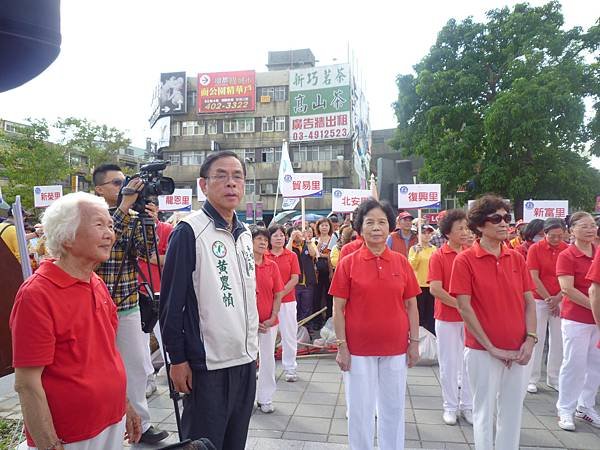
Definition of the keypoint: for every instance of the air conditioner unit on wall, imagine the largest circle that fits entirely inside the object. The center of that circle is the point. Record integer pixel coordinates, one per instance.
(296, 165)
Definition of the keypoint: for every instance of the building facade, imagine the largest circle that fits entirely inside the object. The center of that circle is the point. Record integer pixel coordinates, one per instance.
(257, 134)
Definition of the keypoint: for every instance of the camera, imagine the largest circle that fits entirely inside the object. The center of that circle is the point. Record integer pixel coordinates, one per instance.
(154, 185)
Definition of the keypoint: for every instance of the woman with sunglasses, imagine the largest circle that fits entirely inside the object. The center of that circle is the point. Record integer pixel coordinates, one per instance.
(493, 291)
(579, 376)
(541, 263)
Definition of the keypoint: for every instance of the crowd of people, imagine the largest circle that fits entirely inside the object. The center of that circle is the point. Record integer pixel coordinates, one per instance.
(489, 292)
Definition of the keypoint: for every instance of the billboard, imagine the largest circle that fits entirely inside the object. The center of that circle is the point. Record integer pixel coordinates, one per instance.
(227, 92)
(169, 96)
(320, 103)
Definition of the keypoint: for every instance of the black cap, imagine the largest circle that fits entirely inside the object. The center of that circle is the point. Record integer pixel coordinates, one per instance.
(554, 222)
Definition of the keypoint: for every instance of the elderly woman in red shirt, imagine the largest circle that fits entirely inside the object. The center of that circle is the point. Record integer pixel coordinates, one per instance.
(269, 292)
(68, 372)
(377, 327)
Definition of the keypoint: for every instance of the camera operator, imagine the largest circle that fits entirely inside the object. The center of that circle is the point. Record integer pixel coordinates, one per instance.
(108, 181)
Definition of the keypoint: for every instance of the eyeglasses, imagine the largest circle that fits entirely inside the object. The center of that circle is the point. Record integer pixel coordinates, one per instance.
(222, 178)
(497, 218)
(117, 182)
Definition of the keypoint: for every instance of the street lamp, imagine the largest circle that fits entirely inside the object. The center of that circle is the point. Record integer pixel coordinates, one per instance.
(251, 161)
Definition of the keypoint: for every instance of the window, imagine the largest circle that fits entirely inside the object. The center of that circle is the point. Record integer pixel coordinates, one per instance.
(238, 125)
(192, 128)
(211, 127)
(174, 158)
(268, 187)
(245, 154)
(270, 91)
(270, 154)
(327, 152)
(330, 183)
(268, 124)
(249, 189)
(192, 158)
(280, 123)
(279, 94)
(175, 129)
(10, 127)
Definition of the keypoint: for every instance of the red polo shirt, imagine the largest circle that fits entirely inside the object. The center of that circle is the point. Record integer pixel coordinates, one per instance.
(542, 257)
(440, 269)
(288, 266)
(268, 283)
(576, 264)
(375, 288)
(496, 287)
(69, 327)
(593, 274)
(351, 247)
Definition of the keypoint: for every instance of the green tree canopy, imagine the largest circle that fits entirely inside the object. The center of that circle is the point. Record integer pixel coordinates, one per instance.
(28, 159)
(500, 106)
(99, 143)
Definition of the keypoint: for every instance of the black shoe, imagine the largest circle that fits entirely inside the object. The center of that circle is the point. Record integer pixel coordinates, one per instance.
(153, 435)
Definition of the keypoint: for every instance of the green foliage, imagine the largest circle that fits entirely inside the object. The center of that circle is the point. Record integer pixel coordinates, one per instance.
(29, 160)
(99, 143)
(501, 104)
(11, 433)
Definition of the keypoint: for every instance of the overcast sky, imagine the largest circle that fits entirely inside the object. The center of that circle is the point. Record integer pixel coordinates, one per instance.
(113, 50)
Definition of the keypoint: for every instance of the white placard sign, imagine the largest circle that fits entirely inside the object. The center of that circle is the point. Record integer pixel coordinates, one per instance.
(346, 200)
(44, 196)
(544, 209)
(296, 185)
(179, 200)
(201, 196)
(415, 196)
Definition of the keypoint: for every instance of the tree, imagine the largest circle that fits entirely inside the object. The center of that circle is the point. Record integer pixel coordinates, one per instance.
(28, 159)
(98, 143)
(499, 106)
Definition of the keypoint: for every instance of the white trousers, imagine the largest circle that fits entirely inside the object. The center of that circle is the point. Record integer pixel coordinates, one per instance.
(148, 363)
(546, 321)
(494, 387)
(580, 370)
(451, 358)
(266, 384)
(133, 346)
(288, 327)
(375, 380)
(111, 438)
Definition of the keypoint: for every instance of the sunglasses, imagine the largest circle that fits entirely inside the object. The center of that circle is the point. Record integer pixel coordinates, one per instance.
(117, 182)
(497, 218)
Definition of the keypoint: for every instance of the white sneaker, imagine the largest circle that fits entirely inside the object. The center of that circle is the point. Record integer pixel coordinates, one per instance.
(291, 376)
(150, 387)
(532, 388)
(266, 408)
(449, 417)
(467, 414)
(566, 422)
(590, 415)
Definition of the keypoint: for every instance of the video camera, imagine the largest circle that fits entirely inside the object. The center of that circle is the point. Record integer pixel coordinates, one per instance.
(154, 185)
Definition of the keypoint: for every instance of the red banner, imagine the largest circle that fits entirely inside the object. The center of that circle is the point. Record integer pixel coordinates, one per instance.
(225, 92)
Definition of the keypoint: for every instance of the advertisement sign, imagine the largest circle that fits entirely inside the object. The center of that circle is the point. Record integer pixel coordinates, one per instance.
(320, 103)
(597, 208)
(227, 92)
(259, 211)
(544, 209)
(179, 200)
(289, 203)
(431, 218)
(414, 196)
(302, 185)
(201, 196)
(346, 200)
(44, 196)
(173, 93)
(160, 134)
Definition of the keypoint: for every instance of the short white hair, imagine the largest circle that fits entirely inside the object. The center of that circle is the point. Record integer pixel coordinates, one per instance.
(62, 218)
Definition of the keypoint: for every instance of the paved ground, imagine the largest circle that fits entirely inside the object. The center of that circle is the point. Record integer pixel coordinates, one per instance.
(310, 415)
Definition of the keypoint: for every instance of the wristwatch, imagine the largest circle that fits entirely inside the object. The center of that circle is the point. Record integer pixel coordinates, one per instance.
(533, 336)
